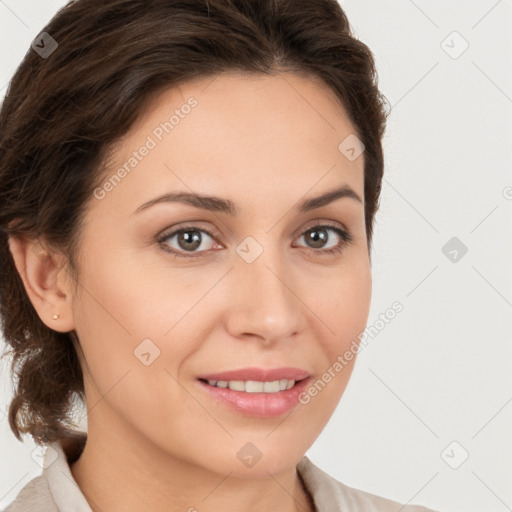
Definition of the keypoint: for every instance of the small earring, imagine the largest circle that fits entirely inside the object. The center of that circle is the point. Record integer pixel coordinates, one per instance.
(55, 316)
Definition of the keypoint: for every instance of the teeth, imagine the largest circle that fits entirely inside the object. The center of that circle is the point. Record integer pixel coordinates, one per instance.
(254, 386)
(236, 385)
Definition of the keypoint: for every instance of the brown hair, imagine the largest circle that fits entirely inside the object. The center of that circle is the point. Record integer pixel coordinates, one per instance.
(62, 114)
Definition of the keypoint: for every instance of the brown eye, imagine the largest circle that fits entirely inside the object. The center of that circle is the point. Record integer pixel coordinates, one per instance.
(190, 241)
(318, 238)
(187, 240)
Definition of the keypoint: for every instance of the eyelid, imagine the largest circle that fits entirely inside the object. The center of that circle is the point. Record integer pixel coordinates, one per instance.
(321, 222)
(191, 225)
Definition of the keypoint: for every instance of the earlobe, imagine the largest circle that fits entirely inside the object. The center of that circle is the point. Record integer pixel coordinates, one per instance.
(41, 272)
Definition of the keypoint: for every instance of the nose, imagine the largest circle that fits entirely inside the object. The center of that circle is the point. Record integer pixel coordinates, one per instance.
(263, 302)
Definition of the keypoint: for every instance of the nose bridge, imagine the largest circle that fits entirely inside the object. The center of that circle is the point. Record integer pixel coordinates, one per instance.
(265, 302)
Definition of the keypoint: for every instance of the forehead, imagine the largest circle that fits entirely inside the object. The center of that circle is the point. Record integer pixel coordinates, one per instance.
(236, 134)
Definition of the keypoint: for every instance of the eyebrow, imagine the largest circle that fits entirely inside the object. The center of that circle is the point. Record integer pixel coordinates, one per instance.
(217, 204)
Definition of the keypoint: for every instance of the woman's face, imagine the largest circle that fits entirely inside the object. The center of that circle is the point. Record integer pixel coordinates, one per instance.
(255, 287)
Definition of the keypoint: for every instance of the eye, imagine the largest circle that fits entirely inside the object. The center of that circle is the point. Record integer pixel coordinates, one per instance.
(188, 239)
(317, 237)
(191, 240)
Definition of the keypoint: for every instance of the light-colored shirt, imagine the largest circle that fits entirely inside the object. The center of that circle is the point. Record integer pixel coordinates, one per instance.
(55, 490)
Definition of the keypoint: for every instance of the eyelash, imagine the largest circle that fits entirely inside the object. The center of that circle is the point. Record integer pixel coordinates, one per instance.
(346, 239)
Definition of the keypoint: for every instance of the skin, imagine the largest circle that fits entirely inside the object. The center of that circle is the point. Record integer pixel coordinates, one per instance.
(156, 440)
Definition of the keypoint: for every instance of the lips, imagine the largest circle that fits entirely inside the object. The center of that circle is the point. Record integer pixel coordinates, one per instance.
(241, 390)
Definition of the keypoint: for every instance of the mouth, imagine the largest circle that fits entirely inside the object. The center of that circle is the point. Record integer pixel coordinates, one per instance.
(253, 386)
(256, 393)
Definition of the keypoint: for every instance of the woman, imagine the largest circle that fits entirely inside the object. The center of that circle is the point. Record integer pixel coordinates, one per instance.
(249, 130)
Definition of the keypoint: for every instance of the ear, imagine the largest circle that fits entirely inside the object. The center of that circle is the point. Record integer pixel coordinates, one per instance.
(47, 282)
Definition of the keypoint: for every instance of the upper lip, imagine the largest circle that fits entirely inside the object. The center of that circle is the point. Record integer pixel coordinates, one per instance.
(258, 374)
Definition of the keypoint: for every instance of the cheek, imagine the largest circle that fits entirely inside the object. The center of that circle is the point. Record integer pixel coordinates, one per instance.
(121, 322)
(339, 310)
(130, 312)
(132, 297)
(341, 305)
(122, 310)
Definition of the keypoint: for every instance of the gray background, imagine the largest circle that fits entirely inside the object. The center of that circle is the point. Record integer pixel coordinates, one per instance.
(440, 371)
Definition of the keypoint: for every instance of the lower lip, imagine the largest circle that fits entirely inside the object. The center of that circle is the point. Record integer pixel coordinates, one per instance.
(259, 405)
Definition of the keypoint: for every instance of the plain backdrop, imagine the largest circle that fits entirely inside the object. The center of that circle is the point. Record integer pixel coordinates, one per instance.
(427, 414)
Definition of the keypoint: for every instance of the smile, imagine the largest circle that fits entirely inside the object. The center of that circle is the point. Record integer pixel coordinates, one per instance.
(258, 399)
(254, 386)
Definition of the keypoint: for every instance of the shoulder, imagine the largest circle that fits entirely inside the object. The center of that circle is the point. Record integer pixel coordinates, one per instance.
(55, 489)
(327, 492)
(35, 496)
